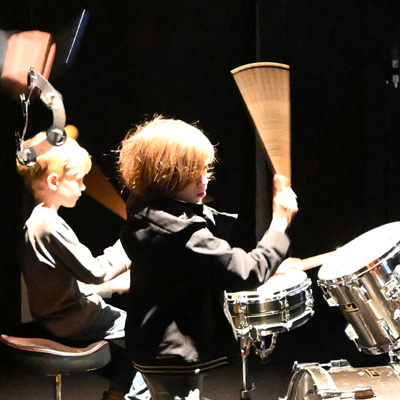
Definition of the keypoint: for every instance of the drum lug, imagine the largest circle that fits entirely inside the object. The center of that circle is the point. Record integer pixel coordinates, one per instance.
(395, 364)
(309, 299)
(394, 354)
(352, 335)
(342, 363)
(361, 291)
(330, 299)
(391, 290)
(242, 315)
(350, 332)
(285, 313)
(386, 330)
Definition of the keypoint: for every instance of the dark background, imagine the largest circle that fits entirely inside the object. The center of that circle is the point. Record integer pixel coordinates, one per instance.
(138, 58)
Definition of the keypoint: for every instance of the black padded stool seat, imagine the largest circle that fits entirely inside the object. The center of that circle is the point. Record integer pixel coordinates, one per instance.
(49, 357)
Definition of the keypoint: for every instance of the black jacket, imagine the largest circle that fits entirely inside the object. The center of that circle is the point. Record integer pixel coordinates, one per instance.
(182, 265)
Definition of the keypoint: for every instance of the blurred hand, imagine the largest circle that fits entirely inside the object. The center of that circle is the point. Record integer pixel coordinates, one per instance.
(289, 265)
(284, 203)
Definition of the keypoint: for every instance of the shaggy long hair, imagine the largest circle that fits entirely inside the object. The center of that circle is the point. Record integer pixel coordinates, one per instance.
(161, 156)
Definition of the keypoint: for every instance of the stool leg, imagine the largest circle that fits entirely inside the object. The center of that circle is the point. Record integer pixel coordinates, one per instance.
(57, 387)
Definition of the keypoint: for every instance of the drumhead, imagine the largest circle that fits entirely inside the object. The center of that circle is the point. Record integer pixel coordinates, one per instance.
(280, 282)
(361, 251)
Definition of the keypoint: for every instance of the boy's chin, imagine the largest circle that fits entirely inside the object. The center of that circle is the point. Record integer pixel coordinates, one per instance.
(70, 205)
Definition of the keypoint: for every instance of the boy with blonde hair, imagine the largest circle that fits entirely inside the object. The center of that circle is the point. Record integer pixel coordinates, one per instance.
(178, 325)
(55, 263)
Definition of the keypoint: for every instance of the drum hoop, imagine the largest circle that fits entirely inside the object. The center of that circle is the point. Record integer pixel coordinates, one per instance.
(343, 280)
(291, 291)
(318, 374)
(256, 296)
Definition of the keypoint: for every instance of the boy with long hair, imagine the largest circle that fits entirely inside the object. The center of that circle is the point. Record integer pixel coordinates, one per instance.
(178, 325)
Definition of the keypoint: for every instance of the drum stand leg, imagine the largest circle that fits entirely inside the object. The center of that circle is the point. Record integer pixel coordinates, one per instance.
(245, 343)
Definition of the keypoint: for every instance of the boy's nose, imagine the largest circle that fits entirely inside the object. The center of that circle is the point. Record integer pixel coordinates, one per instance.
(203, 180)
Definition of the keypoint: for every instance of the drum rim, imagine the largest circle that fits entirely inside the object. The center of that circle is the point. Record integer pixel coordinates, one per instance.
(344, 249)
(273, 297)
(310, 370)
(374, 264)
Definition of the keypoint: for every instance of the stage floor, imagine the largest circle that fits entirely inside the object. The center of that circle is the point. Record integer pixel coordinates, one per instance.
(271, 378)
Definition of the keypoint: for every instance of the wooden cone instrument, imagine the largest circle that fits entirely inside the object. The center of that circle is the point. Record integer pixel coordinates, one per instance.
(265, 88)
(98, 187)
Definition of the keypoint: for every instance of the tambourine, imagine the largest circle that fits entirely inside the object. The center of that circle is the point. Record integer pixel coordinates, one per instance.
(56, 134)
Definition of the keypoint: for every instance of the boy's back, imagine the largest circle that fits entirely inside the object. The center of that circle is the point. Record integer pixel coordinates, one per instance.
(53, 260)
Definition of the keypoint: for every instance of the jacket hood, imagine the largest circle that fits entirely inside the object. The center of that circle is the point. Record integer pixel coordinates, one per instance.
(163, 223)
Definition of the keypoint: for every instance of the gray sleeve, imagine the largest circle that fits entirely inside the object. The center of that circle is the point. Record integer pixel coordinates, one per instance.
(56, 245)
(104, 289)
(238, 269)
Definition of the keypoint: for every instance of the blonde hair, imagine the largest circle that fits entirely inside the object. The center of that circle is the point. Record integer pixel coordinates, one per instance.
(162, 156)
(53, 159)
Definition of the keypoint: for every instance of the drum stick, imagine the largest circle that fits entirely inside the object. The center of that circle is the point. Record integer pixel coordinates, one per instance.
(316, 261)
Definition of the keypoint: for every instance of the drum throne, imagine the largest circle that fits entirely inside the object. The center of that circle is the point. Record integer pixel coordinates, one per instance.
(37, 354)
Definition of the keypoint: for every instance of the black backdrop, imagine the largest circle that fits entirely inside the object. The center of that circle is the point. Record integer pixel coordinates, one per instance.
(138, 58)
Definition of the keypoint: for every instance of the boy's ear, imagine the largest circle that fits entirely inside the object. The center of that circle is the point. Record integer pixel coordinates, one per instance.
(52, 181)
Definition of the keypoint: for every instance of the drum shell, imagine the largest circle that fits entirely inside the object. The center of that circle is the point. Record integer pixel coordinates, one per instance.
(278, 313)
(313, 382)
(365, 302)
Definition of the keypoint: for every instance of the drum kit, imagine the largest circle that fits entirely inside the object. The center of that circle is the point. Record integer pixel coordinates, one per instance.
(362, 278)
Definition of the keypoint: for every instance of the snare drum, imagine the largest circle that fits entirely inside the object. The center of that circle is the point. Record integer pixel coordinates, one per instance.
(284, 302)
(312, 381)
(363, 279)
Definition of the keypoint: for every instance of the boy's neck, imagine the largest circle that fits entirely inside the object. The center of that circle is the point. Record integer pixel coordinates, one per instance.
(51, 205)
